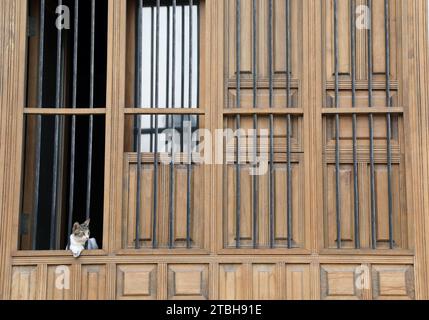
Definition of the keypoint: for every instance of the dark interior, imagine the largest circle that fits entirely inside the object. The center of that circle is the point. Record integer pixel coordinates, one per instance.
(82, 123)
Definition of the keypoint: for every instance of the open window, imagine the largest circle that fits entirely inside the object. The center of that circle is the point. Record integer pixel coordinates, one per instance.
(63, 166)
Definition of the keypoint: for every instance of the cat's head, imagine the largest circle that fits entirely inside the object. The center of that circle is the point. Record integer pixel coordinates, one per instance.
(81, 231)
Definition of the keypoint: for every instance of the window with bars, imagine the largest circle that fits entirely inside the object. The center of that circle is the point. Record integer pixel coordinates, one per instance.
(264, 211)
(363, 135)
(63, 169)
(163, 202)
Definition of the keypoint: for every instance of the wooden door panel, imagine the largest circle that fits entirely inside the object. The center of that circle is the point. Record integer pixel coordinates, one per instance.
(344, 39)
(93, 282)
(58, 284)
(25, 283)
(232, 282)
(393, 282)
(188, 282)
(136, 282)
(338, 282)
(163, 219)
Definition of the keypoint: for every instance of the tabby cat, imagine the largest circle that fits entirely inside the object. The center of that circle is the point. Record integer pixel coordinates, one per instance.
(79, 238)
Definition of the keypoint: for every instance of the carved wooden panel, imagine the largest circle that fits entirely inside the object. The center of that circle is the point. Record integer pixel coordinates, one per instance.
(344, 34)
(188, 281)
(24, 283)
(265, 282)
(393, 282)
(93, 282)
(59, 282)
(232, 282)
(247, 194)
(398, 184)
(297, 282)
(338, 282)
(136, 282)
(146, 200)
(279, 36)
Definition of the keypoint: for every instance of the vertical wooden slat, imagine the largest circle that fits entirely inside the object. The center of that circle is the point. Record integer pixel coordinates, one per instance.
(13, 14)
(115, 102)
(414, 21)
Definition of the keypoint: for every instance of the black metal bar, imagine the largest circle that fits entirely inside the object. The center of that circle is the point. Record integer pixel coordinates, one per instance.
(173, 101)
(167, 76)
(189, 163)
(73, 126)
(40, 88)
(271, 103)
(289, 125)
(238, 125)
(56, 140)
(389, 124)
(138, 98)
(91, 117)
(337, 131)
(354, 126)
(155, 163)
(255, 126)
(182, 70)
(371, 136)
(152, 19)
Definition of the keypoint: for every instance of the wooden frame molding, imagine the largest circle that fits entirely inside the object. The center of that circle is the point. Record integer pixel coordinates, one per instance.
(13, 29)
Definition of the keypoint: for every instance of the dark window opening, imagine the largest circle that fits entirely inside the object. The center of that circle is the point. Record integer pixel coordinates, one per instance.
(63, 163)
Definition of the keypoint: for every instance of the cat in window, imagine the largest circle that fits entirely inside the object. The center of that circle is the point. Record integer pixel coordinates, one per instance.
(80, 240)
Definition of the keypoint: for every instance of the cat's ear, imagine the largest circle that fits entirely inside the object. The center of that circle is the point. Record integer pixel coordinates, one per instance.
(86, 223)
(76, 226)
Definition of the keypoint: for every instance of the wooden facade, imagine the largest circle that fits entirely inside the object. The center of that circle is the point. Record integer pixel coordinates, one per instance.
(214, 269)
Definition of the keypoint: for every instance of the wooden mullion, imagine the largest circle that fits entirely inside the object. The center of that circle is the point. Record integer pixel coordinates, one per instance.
(378, 110)
(264, 111)
(54, 111)
(162, 111)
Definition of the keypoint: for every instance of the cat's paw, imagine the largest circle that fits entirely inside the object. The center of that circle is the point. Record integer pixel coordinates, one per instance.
(76, 253)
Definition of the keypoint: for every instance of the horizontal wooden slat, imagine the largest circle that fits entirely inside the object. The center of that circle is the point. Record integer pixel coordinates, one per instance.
(263, 111)
(362, 85)
(397, 110)
(64, 111)
(164, 111)
(247, 83)
(229, 256)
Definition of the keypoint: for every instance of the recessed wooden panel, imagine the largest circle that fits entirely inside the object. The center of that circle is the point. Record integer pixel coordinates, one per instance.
(59, 283)
(393, 282)
(363, 132)
(265, 282)
(378, 40)
(344, 39)
(263, 125)
(262, 98)
(232, 284)
(93, 282)
(24, 283)
(346, 206)
(146, 200)
(136, 282)
(188, 282)
(298, 282)
(280, 205)
(338, 282)
(361, 99)
(278, 37)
